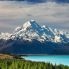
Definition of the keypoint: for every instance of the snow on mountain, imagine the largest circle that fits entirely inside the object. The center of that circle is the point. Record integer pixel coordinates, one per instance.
(67, 35)
(5, 36)
(17, 29)
(31, 30)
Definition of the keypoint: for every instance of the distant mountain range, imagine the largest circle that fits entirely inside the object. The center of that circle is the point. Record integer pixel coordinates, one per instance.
(32, 38)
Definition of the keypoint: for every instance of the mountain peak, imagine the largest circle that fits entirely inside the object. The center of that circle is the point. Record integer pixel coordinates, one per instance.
(30, 24)
(32, 21)
(26, 25)
(32, 30)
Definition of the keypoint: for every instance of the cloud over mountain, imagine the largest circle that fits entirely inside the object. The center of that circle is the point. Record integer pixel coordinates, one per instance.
(51, 13)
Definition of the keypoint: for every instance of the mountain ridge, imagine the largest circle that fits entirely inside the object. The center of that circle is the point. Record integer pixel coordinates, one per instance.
(31, 30)
(31, 38)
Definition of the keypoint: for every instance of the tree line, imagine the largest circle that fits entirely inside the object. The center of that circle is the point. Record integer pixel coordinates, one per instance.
(23, 64)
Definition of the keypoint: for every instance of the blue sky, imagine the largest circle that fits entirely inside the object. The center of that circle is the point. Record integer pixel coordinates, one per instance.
(54, 13)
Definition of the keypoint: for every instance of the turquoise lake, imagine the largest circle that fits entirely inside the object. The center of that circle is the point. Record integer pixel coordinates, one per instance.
(63, 59)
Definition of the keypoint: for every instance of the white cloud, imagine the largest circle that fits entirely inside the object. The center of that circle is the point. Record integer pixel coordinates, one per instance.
(49, 13)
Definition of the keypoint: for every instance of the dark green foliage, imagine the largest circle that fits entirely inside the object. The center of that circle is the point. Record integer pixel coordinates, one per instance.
(23, 64)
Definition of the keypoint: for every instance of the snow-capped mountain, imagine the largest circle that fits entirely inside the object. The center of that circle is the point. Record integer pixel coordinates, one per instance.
(31, 30)
(31, 38)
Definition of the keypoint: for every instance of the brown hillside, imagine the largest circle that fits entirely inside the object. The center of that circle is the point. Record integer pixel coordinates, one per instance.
(6, 56)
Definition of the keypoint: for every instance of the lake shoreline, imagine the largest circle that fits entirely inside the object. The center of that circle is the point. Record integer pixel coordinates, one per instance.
(54, 59)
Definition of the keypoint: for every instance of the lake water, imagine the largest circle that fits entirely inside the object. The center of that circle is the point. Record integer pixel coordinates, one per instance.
(63, 59)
